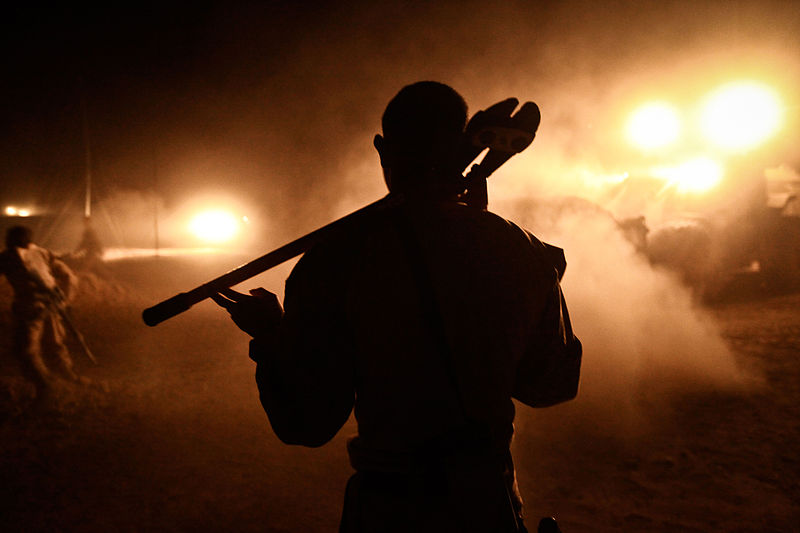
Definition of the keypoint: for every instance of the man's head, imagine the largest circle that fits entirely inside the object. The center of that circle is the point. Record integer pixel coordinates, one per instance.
(423, 128)
(18, 237)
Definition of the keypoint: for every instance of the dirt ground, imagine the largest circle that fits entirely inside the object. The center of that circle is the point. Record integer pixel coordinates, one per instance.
(170, 436)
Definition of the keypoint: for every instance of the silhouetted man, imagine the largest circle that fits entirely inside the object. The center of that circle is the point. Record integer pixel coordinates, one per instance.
(427, 319)
(36, 275)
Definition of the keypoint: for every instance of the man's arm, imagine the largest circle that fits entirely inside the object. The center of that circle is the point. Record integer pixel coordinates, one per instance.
(66, 280)
(305, 372)
(304, 355)
(305, 382)
(549, 371)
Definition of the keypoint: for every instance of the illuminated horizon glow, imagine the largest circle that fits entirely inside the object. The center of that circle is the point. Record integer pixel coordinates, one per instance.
(654, 125)
(118, 254)
(697, 175)
(215, 226)
(741, 115)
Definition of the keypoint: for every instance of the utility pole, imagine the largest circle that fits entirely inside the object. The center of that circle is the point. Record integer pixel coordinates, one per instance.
(87, 206)
(89, 243)
(155, 200)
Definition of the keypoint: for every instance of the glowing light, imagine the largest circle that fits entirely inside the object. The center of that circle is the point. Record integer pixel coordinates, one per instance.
(654, 125)
(12, 211)
(741, 115)
(214, 226)
(695, 176)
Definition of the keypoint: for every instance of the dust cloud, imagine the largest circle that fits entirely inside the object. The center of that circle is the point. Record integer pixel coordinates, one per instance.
(292, 131)
(298, 140)
(646, 338)
(276, 112)
(308, 126)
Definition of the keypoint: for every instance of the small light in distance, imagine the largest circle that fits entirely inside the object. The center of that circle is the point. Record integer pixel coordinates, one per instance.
(214, 226)
(13, 211)
(654, 125)
(741, 115)
(697, 175)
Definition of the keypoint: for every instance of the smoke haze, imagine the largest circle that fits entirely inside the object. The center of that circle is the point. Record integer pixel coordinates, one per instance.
(276, 107)
(646, 341)
(269, 109)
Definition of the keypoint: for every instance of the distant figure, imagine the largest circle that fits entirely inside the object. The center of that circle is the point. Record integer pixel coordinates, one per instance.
(427, 319)
(89, 246)
(37, 276)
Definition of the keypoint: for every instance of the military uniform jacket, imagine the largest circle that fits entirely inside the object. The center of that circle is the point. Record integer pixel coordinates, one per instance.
(353, 335)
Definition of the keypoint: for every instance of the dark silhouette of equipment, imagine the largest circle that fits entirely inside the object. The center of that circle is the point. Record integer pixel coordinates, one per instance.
(548, 524)
(497, 128)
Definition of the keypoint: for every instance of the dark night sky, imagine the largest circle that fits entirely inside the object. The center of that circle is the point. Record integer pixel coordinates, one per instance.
(276, 103)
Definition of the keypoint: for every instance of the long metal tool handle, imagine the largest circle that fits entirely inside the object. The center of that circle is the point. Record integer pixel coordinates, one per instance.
(494, 128)
(183, 301)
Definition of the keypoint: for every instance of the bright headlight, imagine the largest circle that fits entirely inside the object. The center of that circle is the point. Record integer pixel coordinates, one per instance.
(214, 226)
(654, 125)
(741, 115)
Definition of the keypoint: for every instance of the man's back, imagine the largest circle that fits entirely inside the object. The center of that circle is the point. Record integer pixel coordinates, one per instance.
(29, 271)
(489, 284)
(354, 304)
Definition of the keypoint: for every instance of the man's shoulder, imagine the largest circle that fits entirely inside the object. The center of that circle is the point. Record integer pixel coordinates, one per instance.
(522, 243)
(497, 226)
(510, 226)
(336, 251)
(35, 249)
(449, 220)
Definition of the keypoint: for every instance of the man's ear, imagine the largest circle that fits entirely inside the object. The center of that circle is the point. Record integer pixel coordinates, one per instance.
(380, 145)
